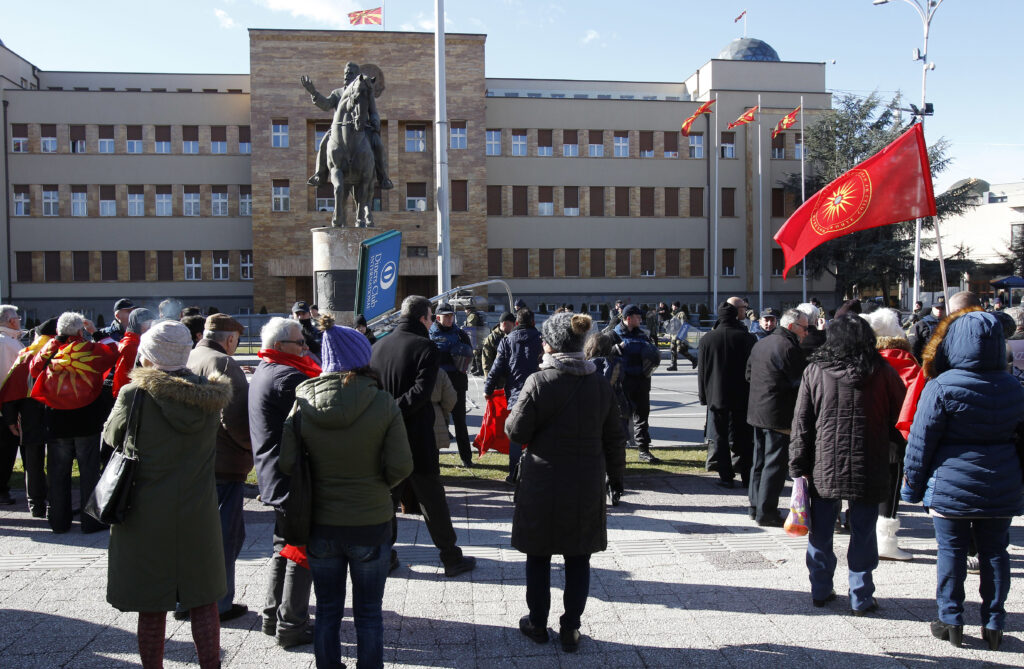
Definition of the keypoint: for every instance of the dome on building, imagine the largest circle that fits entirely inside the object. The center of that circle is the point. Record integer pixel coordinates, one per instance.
(748, 48)
(977, 186)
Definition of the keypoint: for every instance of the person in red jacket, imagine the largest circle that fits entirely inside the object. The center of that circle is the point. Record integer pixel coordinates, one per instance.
(128, 348)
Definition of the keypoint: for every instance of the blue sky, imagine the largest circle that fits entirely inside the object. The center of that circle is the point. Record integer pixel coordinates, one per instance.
(976, 86)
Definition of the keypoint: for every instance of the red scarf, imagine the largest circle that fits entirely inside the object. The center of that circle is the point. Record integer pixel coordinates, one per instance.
(303, 363)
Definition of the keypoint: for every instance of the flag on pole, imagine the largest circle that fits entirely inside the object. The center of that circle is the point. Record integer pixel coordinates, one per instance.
(744, 13)
(786, 122)
(891, 186)
(703, 109)
(745, 118)
(370, 17)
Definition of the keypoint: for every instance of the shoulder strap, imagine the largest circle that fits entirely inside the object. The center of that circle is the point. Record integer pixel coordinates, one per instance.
(132, 427)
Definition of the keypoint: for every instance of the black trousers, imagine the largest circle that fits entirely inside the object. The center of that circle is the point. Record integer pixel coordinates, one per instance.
(638, 391)
(434, 507)
(538, 589)
(891, 505)
(461, 431)
(731, 444)
(768, 472)
(8, 452)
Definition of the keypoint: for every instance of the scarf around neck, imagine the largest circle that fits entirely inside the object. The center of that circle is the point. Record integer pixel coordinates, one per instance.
(303, 363)
(570, 363)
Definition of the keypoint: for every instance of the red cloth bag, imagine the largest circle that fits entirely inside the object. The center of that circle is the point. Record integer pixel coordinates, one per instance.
(491, 436)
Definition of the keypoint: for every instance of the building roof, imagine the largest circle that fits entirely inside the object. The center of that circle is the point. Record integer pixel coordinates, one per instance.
(749, 48)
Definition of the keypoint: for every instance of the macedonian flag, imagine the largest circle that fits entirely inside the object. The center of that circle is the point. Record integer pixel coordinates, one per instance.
(703, 109)
(370, 17)
(786, 122)
(745, 118)
(891, 186)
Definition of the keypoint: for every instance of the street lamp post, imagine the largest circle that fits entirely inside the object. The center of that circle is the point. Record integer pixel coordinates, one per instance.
(926, 10)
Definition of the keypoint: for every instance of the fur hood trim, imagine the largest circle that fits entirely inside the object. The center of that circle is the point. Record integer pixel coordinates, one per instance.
(209, 395)
(928, 362)
(882, 343)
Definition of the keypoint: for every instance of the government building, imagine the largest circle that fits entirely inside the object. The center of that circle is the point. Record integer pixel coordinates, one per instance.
(193, 186)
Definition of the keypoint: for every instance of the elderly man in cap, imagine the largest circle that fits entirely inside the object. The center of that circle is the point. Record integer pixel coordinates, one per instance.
(764, 325)
(310, 332)
(448, 337)
(212, 357)
(119, 325)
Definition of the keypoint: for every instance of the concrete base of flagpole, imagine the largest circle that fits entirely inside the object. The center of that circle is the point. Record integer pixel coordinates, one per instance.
(335, 264)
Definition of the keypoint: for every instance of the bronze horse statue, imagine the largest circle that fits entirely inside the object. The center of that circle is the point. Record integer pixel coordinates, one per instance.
(349, 155)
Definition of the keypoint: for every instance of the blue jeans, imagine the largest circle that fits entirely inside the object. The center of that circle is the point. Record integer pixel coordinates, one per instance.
(862, 556)
(331, 561)
(515, 454)
(60, 453)
(232, 528)
(992, 536)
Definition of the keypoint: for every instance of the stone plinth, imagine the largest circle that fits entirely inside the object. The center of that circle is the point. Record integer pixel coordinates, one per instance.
(335, 264)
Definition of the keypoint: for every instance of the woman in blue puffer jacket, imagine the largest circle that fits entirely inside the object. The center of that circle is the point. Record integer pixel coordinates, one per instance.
(962, 463)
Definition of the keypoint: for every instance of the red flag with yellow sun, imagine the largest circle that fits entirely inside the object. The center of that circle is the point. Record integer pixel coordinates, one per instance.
(73, 378)
(745, 118)
(786, 122)
(703, 109)
(370, 17)
(891, 186)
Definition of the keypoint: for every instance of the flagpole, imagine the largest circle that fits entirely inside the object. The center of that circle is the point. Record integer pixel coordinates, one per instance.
(712, 198)
(707, 210)
(760, 214)
(444, 274)
(803, 181)
(383, 15)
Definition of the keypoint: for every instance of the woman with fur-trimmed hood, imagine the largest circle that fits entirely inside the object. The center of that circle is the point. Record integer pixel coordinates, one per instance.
(169, 547)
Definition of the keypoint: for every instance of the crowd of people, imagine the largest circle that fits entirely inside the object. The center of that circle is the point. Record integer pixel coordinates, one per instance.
(866, 414)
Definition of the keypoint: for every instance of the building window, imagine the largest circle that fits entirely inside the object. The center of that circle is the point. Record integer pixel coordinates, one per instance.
(244, 139)
(221, 266)
(280, 195)
(325, 197)
(48, 138)
(136, 265)
(51, 266)
(646, 201)
(671, 262)
(778, 262)
(671, 144)
(245, 265)
(415, 251)
(778, 202)
(460, 195)
(416, 196)
(696, 145)
(19, 138)
(779, 147)
(190, 201)
(279, 133)
(546, 266)
(545, 201)
(728, 262)
(622, 264)
(696, 202)
(190, 139)
(621, 144)
(23, 259)
(622, 200)
(80, 266)
(134, 138)
(79, 201)
(520, 263)
(696, 262)
(597, 200)
(164, 266)
(544, 143)
(218, 139)
(646, 144)
(798, 146)
(494, 201)
(671, 202)
(245, 200)
(415, 138)
(519, 201)
(571, 201)
(728, 202)
(570, 143)
(595, 148)
(572, 262)
(494, 262)
(22, 201)
(106, 139)
(320, 131)
(136, 201)
(457, 135)
(596, 262)
(518, 142)
(493, 145)
(108, 266)
(77, 133)
(108, 201)
(164, 201)
(162, 139)
(728, 144)
(193, 266)
(647, 266)
(219, 201)
(51, 201)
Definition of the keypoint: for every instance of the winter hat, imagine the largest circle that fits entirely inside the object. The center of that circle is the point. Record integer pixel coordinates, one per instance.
(566, 332)
(727, 311)
(884, 323)
(138, 318)
(344, 349)
(849, 307)
(166, 345)
(507, 317)
(631, 310)
(47, 328)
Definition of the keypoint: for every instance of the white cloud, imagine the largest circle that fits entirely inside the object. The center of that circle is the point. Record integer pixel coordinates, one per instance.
(590, 36)
(226, 21)
(329, 12)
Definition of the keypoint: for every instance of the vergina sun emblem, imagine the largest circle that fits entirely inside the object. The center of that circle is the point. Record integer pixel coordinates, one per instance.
(841, 204)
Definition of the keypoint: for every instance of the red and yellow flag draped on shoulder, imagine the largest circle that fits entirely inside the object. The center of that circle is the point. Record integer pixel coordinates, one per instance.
(891, 186)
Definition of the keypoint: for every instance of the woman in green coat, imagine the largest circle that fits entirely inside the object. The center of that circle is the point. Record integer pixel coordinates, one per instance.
(169, 547)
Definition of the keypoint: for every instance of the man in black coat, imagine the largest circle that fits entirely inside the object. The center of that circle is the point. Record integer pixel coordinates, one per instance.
(408, 362)
(774, 369)
(923, 329)
(722, 387)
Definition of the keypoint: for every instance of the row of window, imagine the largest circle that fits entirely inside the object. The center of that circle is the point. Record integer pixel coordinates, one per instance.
(133, 200)
(81, 266)
(81, 137)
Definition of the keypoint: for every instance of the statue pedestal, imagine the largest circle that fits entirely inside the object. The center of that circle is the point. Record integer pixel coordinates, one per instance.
(335, 266)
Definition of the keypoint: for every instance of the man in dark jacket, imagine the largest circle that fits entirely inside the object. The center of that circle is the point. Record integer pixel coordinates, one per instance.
(923, 329)
(476, 328)
(489, 351)
(212, 356)
(119, 325)
(407, 362)
(310, 332)
(722, 386)
(448, 337)
(519, 355)
(283, 366)
(774, 369)
(640, 357)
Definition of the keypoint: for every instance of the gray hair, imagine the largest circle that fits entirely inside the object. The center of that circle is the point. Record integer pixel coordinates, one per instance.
(415, 306)
(809, 310)
(219, 336)
(790, 316)
(275, 330)
(7, 312)
(70, 323)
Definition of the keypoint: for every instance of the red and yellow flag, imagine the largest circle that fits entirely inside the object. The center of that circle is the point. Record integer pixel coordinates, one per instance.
(891, 186)
(786, 122)
(371, 17)
(703, 109)
(745, 118)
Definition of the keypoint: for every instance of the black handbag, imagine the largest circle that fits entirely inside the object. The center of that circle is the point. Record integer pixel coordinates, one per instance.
(111, 498)
(298, 505)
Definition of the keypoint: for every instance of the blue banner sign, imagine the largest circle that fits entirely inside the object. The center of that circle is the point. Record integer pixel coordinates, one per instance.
(377, 276)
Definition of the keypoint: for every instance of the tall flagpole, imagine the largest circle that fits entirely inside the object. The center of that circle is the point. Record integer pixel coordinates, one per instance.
(383, 16)
(444, 251)
(760, 215)
(803, 181)
(712, 197)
